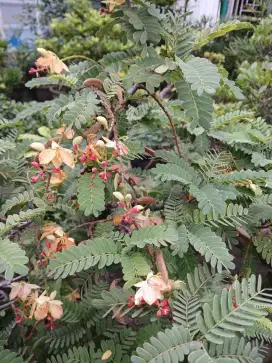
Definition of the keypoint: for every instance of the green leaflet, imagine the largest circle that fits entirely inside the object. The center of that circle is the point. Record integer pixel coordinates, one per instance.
(223, 319)
(197, 109)
(211, 246)
(91, 195)
(201, 74)
(209, 199)
(134, 266)
(12, 259)
(99, 252)
(204, 36)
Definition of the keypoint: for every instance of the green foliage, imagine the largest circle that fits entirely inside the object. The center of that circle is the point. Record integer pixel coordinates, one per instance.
(134, 267)
(12, 259)
(7, 356)
(102, 252)
(75, 33)
(91, 195)
(206, 35)
(201, 74)
(224, 319)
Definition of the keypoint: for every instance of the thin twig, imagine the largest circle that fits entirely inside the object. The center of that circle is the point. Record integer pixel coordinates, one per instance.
(7, 305)
(155, 97)
(161, 265)
(90, 223)
(113, 123)
(48, 182)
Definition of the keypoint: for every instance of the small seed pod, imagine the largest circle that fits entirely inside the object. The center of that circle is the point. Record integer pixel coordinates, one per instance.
(119, 196)
(77, 140)
(100, 143)
(128, 198)
(37, 146)
(103, 121)
(94, 82)
(146, 200)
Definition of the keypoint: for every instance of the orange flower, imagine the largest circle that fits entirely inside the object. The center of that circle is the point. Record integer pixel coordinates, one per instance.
(111, 4)
(68, 134)
(51, 61)
(57, 155)
(112, 144)
(57, 177)
(45, 306)
(50, 229)
(74, 295)
(22, 290)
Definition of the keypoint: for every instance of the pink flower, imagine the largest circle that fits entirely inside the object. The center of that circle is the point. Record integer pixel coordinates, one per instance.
(21, 290)
(45, 306)
(150, 290)
(57, 155)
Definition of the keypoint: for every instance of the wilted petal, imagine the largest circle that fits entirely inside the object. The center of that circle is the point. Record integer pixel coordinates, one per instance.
(157, 282)
(55, 309)
(67, 157)
(41, 311)
(37, 146)
(15, 290)
(53, 295)
(46, 156)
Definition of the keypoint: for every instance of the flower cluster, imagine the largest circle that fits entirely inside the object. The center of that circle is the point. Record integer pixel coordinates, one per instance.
(151, 292)
(56, 241)
(41, 307)
(48, 61)
(125, 203)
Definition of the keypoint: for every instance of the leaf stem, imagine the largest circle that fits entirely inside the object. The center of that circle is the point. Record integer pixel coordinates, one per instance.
(75, 57)
(155, 97)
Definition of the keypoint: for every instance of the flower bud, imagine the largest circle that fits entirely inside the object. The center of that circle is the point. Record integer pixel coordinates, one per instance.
(119, 196)
(104, 164)
(83, 159)
(100, 143)
(35, 165)
(139, 207)
(103, 121)
(37, 146)
(128, 198)
(34, 179)
(77, 140)
(43, 52)
(106, 355)
(94, 170)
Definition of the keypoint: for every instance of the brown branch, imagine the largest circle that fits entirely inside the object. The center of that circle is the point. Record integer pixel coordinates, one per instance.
(113, 126)
(48, 182)
(161, 266)
(90, 223)
(155, 97)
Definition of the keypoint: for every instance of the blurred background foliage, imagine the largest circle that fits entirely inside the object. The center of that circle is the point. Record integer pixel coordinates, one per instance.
(68, 27)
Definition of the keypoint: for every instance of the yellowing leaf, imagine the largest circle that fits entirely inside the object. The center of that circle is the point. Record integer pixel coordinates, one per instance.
(106, 355)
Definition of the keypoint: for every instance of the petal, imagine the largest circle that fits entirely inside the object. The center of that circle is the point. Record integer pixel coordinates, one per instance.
(15, 290)
(53, 295)
(59, 231)
(69, 134)
(57, 161)
(41, 311)
(150, 295)
(67, 157)
(54, 145)
(138, 296)
(55, 310)
(26, 290)
(46, 156)
(56, 179)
